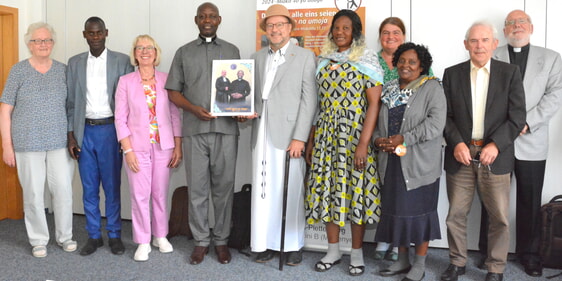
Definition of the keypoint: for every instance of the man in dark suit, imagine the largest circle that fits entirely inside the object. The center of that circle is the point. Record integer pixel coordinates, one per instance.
(91, 79)
(240, 89)
(485, 113)
(541, 70)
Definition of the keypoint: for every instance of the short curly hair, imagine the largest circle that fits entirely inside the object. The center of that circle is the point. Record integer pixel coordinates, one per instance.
(423, 55)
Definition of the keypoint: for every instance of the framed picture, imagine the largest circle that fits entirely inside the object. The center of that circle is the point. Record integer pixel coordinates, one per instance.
(232, 85)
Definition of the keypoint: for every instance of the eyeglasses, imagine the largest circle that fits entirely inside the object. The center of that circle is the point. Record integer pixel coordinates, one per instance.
(277, 25)
(518, 21)
(142, 48)
(38, 42)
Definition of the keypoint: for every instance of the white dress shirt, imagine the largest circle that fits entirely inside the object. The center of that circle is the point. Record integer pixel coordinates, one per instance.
(479, 81)
(97, 97)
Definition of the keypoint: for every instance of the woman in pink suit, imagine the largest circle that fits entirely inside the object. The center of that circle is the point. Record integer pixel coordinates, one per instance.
(149, 130)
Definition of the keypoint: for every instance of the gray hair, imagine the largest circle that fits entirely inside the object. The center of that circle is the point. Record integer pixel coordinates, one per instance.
(34, 27)
(482, 23)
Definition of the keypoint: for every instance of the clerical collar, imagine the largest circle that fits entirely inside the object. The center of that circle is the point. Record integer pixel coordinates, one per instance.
(518, 50)
(207, 39)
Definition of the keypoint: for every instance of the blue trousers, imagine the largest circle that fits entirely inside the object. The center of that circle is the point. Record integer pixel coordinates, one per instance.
(100, 162)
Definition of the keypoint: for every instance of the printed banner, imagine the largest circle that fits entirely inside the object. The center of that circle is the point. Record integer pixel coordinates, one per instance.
(313, 19)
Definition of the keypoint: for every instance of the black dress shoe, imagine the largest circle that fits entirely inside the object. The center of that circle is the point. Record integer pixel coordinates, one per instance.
(116, 245)
(265, 256)
(91, 246)
(294, 258)
(533, 269)
(387, 272)
(494, 276)
(452, 273)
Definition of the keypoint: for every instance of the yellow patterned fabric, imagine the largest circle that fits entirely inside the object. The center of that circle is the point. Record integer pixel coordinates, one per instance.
(336, 191)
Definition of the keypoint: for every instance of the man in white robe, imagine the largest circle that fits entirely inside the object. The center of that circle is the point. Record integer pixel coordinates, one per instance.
(286, 103)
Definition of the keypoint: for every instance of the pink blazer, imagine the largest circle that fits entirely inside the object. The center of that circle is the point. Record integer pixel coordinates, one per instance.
(132, 115)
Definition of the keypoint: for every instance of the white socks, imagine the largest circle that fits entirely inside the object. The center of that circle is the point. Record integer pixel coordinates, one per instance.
(357, 257)
(333, 253)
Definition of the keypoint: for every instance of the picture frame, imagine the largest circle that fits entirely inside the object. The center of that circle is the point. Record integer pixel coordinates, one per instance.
(232, 88)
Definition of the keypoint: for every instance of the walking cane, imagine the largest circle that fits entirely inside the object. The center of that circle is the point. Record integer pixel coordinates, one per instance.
(284, 216)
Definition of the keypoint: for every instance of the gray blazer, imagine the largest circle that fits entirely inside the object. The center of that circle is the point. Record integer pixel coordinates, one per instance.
(543, 96)
(118, 64)
(292, 100)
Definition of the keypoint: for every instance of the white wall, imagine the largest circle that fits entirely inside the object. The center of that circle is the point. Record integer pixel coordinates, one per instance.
(438, 24)
(29, 11)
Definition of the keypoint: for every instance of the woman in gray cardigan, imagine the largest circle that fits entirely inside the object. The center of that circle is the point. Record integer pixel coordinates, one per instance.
(408, 137)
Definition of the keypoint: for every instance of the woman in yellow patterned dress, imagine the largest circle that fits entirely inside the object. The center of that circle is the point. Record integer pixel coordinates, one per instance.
(343, 185)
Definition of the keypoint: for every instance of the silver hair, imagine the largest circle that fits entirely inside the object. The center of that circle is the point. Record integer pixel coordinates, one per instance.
(482, 23)
(34, 27)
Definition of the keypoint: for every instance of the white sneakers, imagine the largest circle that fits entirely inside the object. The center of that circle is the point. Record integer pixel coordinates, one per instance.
(142, 252)
(162, 244)
(144, 249)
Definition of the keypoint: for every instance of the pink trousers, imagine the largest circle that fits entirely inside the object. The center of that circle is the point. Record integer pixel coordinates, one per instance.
(150, 182)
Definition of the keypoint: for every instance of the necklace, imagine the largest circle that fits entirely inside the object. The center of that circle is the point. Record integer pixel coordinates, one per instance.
(148, 79)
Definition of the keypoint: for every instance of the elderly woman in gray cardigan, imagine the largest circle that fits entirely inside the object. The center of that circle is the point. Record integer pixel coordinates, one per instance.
(408, 137)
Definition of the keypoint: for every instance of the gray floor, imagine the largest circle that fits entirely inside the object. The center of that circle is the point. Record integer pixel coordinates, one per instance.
(17, 263)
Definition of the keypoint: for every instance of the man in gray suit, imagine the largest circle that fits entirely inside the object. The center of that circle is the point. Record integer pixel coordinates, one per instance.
(91, 80)
(286, 102)
(541, 70)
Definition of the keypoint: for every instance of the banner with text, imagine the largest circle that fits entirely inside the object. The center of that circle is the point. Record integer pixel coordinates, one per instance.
(313, 19)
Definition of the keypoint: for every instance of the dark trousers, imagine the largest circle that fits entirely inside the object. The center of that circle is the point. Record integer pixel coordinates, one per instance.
(100, 162)
(530, 177)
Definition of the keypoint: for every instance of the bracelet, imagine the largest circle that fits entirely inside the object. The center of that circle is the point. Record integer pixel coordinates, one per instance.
(127, 151)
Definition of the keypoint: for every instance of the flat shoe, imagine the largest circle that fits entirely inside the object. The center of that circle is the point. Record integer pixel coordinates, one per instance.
(163, 245)
(326, 265)
(387, 272)
(294, 258)
(142, 252)
(391, 256)
(68, 245)
(91, 246)
(356, 270)
(39, 251)
(116, 246)
(198, 254)
(223, 254)
(379, 255)
(265, 256)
